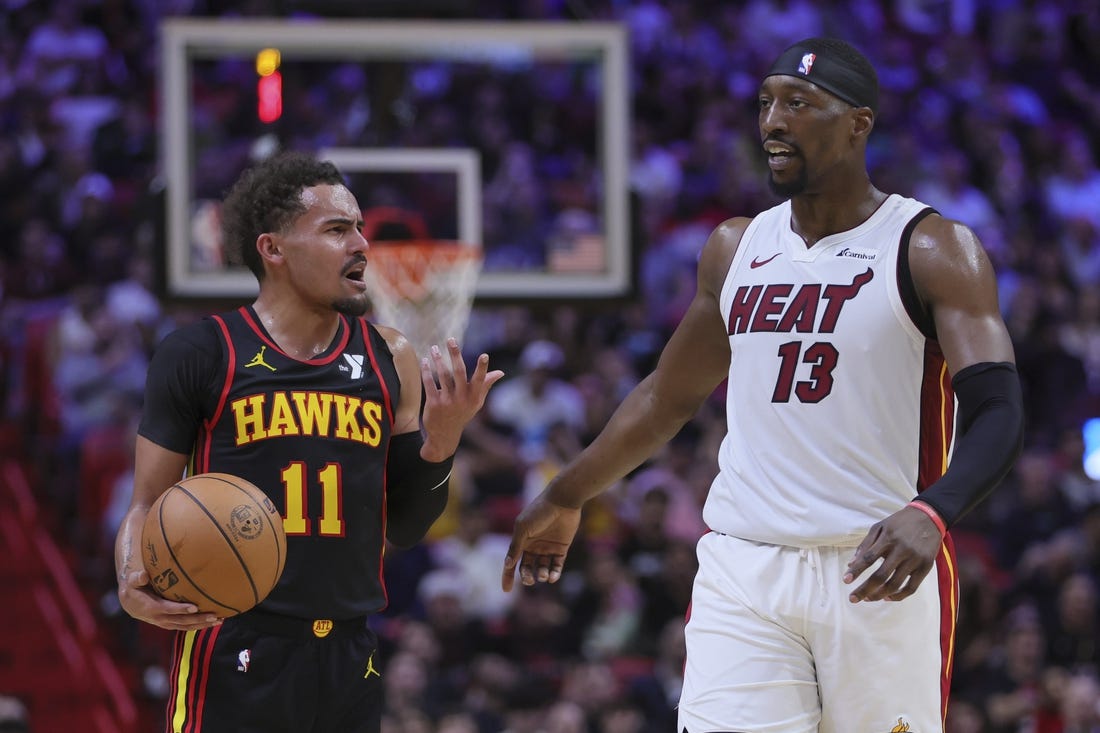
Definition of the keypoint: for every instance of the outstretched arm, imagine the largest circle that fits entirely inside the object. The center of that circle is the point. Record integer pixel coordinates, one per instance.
(692, 364)
(956, 282)
(421, 453)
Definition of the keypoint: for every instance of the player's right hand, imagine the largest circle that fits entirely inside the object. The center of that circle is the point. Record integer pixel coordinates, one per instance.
(540, 542)
(137, 599)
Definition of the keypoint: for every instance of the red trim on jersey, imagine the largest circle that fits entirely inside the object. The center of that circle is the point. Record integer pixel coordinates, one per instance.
(246, 314)
(937, 417)
(206, 434)
(388, 401)
(937, 430)
(204, 655)
(386, 398)
(192, 684)
(191, 675)
(177, 653)
(948, 581)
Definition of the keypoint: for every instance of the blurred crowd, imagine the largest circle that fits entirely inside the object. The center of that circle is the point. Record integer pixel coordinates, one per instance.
(990, 113)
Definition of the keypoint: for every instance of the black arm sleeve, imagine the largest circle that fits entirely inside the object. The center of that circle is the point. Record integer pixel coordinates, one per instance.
(416, 490)
(182, 386)
(991, 436)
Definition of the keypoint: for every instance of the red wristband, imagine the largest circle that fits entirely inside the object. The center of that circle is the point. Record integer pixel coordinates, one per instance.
(932, 514)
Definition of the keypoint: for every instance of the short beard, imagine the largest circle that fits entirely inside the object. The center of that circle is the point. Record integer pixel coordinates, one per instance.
(791, 189)
(354, 307)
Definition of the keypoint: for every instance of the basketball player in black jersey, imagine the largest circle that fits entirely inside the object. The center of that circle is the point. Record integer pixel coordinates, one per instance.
(300, 395)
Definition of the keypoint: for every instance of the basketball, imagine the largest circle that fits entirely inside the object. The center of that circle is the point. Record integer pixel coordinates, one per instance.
(216, 541)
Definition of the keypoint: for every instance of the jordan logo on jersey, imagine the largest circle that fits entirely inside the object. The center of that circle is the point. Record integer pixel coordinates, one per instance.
(258, 360)
(773, 309)
(370, 668)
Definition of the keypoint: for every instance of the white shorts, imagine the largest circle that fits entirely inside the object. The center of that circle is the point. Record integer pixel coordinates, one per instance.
(775, 646)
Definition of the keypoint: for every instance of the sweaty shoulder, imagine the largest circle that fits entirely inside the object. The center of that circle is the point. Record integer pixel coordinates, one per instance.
(407, 365)
(944, 255)
(718, 253)
(398, 344)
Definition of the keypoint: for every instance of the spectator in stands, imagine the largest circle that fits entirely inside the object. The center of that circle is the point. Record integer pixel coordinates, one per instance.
(1073, 187)
(469, 558)
(1074, 631)
(1015, 687)
(1080, 704)
(13, 715)
(536, 399)
(1038, 510)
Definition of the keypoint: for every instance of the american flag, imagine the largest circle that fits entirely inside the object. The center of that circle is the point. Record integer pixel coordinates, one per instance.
(579, 253)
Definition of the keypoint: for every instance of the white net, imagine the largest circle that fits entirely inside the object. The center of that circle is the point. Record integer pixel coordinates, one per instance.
(425, 289)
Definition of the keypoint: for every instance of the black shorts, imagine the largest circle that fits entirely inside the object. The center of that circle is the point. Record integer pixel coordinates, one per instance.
(264, 673)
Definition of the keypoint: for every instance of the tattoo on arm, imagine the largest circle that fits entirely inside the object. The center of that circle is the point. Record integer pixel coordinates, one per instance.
(127, 556)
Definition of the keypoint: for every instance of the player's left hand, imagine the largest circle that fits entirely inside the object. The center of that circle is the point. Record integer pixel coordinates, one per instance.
(908, 542)
(450, 398)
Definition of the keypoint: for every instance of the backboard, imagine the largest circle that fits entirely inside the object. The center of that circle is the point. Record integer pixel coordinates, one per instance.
(513, 136)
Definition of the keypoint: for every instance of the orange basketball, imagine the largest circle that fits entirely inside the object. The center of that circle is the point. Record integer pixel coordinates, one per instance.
(216, 541)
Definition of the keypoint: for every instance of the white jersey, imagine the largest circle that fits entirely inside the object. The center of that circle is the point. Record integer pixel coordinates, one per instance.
(839, 409)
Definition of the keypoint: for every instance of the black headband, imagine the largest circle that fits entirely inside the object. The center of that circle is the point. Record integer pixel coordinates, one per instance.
(816, 63)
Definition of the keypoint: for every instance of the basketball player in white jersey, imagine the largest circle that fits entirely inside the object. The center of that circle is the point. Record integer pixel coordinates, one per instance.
(848, 322)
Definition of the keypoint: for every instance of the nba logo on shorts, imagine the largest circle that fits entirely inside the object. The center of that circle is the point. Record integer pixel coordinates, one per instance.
(807, 63)
(243, 659)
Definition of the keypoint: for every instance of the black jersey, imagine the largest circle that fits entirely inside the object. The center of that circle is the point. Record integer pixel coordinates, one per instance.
(312, 434)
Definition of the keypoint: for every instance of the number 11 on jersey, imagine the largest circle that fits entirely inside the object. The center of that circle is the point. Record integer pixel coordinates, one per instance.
(296, 521)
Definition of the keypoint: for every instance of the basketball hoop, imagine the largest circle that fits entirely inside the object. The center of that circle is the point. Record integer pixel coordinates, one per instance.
(423, 288)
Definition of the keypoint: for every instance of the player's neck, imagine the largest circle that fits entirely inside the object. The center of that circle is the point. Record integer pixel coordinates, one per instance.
(300, 331)
(836, 209)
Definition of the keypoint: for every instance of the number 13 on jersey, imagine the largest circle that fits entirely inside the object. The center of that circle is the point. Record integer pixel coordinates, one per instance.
(822, 357)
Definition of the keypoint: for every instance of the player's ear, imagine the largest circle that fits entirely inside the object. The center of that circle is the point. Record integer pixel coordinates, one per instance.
(863, 121)
(269, 249)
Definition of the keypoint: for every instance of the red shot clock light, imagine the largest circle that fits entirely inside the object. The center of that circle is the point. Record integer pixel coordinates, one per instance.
(269, 88)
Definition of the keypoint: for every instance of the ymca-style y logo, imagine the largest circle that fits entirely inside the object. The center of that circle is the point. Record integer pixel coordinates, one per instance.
(355, 361)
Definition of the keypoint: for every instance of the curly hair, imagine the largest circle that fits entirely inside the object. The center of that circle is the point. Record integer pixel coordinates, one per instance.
(266, 198)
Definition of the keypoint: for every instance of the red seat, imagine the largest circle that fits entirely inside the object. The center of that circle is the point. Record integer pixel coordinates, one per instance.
(104, 456)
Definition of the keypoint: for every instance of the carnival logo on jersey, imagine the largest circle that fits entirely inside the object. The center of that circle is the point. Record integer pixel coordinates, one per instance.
(355, 362)
(807, 63)
(774, 309)
(320, 414)
(858, 253)
(258, 360)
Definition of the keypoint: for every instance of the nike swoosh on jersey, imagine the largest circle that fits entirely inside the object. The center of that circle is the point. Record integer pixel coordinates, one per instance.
(760, 263)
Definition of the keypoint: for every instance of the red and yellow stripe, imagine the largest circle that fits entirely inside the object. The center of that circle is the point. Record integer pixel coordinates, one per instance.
(937, 432)
(190, 671)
